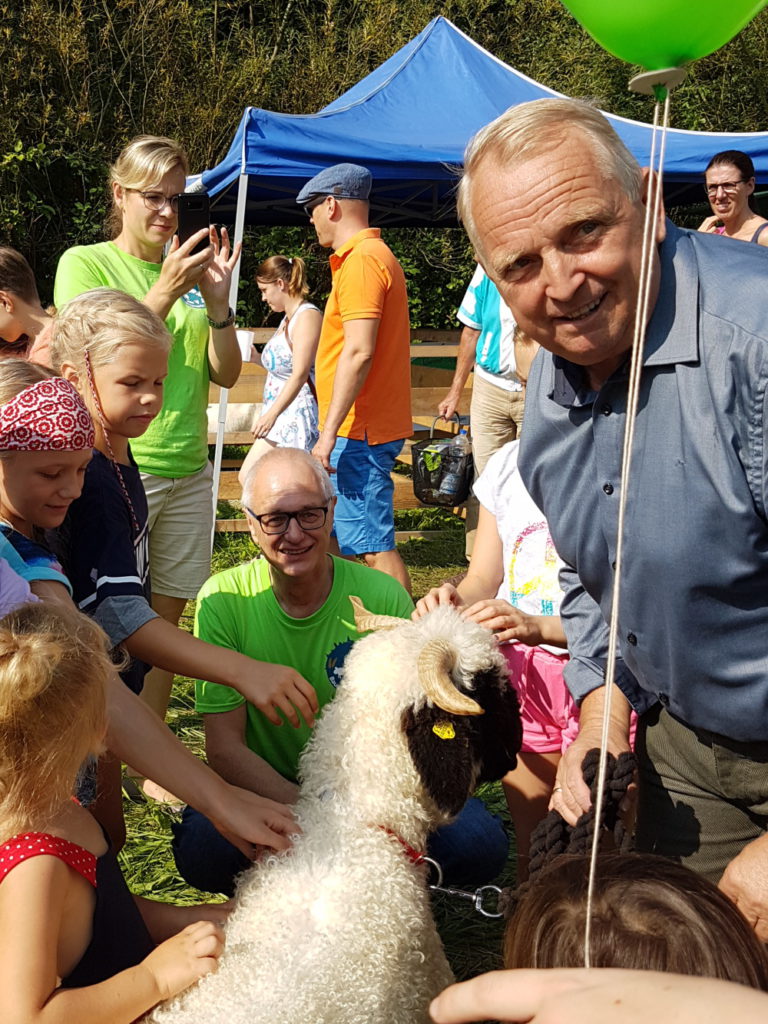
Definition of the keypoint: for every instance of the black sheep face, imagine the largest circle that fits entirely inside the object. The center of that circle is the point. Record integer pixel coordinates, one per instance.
(454, 753)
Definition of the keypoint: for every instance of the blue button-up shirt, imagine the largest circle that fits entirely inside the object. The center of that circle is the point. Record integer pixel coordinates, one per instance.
(694, 604)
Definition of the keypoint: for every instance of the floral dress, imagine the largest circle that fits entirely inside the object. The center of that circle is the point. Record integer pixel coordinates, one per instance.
(296, 426)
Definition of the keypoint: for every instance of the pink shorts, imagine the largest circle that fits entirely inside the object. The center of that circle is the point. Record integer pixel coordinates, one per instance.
(549, 713)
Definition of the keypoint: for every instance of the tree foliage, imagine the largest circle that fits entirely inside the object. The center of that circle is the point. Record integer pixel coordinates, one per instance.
(81, 77)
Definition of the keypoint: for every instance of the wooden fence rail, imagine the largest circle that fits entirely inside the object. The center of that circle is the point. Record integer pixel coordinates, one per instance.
(428, 386)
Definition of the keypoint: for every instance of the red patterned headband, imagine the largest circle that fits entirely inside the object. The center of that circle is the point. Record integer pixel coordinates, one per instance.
(48, 416)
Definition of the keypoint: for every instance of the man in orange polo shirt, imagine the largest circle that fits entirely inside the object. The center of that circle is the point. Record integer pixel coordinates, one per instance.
(363, 367)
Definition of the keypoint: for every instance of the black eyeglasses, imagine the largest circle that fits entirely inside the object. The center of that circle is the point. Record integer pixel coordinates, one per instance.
(729, 187)
(156, 201)
(274, 523)
(309, 207)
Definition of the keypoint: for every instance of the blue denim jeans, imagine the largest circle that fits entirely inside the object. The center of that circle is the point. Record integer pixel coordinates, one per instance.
(472, 850)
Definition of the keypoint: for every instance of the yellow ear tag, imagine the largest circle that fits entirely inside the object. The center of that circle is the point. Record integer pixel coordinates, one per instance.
(444, 730)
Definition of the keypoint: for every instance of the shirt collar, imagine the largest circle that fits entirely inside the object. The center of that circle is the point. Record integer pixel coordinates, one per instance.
(340, 254)
(672, 335)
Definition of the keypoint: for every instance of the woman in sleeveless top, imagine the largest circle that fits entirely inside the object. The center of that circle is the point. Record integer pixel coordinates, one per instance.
(730, 184)
(288, 418)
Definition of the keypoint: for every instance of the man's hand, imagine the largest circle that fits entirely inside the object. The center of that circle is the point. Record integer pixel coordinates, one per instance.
(446, 593)
(447, 408)
(598, 996)
(570, 795)
(322, 451)
(272, 688)
(252, 822)
(745, 881)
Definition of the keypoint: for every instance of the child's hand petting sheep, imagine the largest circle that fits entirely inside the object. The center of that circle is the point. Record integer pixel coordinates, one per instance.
(179, 962)
(446, 593)
(509, 623)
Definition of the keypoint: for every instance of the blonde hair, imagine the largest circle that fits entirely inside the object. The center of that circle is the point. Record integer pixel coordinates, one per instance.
(94, 327)
(141, 165)
(54, 665)
(281, 268)
(18, 374)
(533, 128)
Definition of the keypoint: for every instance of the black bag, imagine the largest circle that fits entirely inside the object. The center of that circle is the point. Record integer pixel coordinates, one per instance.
(442, 469)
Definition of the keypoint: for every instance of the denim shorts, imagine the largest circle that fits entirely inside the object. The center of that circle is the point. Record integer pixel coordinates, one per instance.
(364, 517)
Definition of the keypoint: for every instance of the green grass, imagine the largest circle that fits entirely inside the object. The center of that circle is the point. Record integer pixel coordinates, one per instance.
(472, 943)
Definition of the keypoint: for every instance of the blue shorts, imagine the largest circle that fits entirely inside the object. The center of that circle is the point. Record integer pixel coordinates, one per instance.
(364, 518)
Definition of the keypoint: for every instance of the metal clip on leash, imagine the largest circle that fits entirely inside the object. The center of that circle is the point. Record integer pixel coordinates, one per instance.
(477, 898)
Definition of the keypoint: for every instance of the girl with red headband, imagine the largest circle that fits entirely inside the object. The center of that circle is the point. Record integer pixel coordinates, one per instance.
(46, 443)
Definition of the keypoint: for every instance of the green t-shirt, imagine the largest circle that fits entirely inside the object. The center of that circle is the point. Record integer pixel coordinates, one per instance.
(238, 609)
(176, 442)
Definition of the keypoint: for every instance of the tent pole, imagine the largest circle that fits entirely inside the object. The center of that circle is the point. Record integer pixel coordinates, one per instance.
(242, 195)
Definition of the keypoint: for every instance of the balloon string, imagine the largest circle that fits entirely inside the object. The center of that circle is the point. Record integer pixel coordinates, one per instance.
(652, 209)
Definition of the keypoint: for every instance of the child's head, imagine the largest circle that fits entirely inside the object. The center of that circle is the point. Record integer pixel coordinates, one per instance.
(54, 664)
(46, 441)
(18, 295)
(279, 277)
(114, 349)
(649, 913)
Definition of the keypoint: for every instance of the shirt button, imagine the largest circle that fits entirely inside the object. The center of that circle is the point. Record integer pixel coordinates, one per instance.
(608, 488)
(632, 639)
(607, 409)
(664, 699)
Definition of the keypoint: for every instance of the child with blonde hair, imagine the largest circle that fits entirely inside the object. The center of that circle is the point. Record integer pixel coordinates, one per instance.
(114, 350)
(82, 948)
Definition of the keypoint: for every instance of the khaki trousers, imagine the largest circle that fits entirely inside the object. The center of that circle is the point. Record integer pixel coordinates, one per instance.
(495, 417)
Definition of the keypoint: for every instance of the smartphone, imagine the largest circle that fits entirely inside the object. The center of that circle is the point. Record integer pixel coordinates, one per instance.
(194, 214)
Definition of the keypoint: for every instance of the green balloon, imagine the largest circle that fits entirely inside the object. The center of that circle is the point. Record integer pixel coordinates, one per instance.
(663, 33)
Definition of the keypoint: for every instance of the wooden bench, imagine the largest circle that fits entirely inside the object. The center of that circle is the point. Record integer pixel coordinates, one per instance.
(428, 386)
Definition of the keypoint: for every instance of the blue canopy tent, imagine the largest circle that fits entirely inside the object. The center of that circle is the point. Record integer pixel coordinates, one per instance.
(409, 122)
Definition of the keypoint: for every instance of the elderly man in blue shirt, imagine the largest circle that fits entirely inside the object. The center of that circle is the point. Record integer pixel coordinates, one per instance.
(554, 204)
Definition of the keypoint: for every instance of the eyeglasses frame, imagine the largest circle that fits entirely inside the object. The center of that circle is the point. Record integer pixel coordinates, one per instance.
(172, 201)
(291, 515)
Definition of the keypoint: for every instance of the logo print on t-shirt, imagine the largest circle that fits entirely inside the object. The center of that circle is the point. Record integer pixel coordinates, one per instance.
(334, 663)
(532, 571)
(194, 299)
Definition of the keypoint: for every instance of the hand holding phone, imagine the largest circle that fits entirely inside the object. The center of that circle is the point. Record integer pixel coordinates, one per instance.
(194, 214)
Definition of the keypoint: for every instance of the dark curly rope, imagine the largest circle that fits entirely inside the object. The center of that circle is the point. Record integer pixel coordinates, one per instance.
(553, 835)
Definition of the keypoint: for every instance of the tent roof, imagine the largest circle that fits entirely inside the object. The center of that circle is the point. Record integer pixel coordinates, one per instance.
(409, 122)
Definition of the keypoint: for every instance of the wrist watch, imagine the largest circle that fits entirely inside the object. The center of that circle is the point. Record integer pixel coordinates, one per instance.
(219, 325)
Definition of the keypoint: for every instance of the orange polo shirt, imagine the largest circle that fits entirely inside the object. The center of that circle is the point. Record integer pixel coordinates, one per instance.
(369, 284)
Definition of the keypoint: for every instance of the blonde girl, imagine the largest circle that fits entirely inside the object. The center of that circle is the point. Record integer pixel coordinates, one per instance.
(114, 350)
(289, 415)
(82, 948)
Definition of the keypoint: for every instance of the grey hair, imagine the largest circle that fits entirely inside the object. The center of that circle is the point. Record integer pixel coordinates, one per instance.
(528, 129)
(291, 455)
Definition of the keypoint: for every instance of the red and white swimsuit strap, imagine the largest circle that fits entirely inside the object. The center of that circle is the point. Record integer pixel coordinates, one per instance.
(37, 844)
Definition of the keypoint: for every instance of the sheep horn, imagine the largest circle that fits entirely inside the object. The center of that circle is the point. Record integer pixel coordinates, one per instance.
(365, 620)
(436, 660)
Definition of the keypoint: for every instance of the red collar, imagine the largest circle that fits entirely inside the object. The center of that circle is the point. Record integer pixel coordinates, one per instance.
(413, 855)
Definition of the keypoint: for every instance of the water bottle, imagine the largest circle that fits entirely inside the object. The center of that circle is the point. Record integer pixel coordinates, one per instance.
(451, 484)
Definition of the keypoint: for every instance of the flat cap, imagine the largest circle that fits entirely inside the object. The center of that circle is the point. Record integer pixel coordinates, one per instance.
(344, 181)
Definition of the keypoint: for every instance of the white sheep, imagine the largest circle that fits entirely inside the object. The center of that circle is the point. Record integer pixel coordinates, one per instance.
(339, 929)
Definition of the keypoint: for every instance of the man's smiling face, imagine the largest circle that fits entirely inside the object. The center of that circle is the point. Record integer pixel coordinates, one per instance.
(562, 241)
